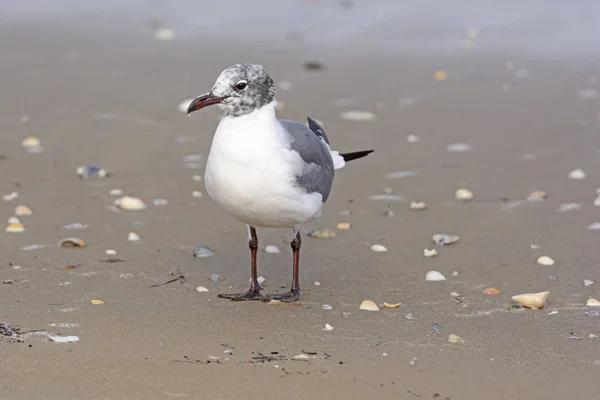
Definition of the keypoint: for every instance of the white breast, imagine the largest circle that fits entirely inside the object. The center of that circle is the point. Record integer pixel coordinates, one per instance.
(251, 171)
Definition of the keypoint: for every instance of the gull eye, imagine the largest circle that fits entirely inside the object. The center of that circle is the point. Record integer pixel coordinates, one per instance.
(241, 85)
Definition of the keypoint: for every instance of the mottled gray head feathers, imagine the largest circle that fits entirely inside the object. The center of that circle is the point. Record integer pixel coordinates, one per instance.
(244, 89)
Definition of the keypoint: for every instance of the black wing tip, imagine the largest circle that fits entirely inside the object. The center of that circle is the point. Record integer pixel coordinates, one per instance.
(356, 154)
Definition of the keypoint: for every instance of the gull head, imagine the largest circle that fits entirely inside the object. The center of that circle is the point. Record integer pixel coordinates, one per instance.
(239, 89)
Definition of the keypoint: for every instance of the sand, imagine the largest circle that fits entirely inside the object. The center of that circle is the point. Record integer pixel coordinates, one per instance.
(109, 97)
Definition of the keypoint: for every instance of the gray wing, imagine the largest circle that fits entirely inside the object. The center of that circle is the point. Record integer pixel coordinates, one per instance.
(317, 173)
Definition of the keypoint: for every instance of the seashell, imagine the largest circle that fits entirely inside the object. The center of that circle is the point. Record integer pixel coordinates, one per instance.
(10, 196)
(368, 305)
(454, 294)
(463, 195)
(597, 202)
(537, 195)
(343, 226)
(577, 174)
(160, 202)
(458, 147)
(202, 252)
(442, 239)
(378, 248)
(534, 301)
(400, 174)
(133, 237)
(164, 34)
(129, 203)
(328, 327)
(386, 197)
(202, 289)
(261, 280)
(434, 276)
(430, 253)
(588, 282)
(591, 302)
(300, 357)
(594, 226)
(417, 206)
(317, 283)
(272, 249)
(440, 75)
(412, 139)
(545, 260)
(391, 305)
(15, 228)
(358, 116)
(72, 242)
(23, 211)
(326, 307)
(197, 194)
(115, 192)
(31, 142)
(452, 338)
(91, 172)
(111, 252)
(64, 339)
(491, 291)
(97, 302)
(216, 278)
(321, 233)
(454, 273)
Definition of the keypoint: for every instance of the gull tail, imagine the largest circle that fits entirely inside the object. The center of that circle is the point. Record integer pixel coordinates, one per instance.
(356, 154)
(339, 160)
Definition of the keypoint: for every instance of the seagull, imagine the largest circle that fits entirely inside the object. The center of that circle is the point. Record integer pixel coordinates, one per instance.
(264, 171)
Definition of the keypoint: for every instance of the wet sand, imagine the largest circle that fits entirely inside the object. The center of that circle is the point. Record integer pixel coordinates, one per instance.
(110, 98)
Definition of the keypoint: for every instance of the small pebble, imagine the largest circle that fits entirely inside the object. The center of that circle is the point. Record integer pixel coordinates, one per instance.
(409, 316)
(368, 305)
(378, 248)
(491, 291)
(72, 243)
(591, 313)
(458, 147)
(417, 206)
(591, 302)
(454, 294)
(111, 252)
(216, 278)
(577, 174)
(400, 175)
(436, 329)
(261, 280)
(463, 194)
(454, 273)
(202, 252)
(129, 203)
(440, 75)
(537, 195)
(386, 197)
(97, 302)
(434, 276)
(133, 237)
(545, 260)
(91, 172)
(413, 362)
(442, 239)
(588, 282)
(271, 249)
(317, 283)
(328, 327)
(430, 253)
(23, 211)
(326, 307)
(535, 246)
(164, 34)
(343, 226)
(75, 226)
(321, 233)
(10, 196)
(202, 289)
(452, 338)
(346, 314)
(31, 142)
(594, 226)
(412, 139)
(115, 192)
(358, 116)
(196, 178)
(197, 194)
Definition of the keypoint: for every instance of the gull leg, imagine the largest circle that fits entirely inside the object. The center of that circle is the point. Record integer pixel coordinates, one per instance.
(254, 292)
(294, 293)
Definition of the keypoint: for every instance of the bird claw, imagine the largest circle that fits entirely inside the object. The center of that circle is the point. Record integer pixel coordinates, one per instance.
(289, 297)
(252, 294)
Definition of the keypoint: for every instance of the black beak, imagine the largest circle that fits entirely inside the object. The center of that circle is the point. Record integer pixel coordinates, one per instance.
(207, 99)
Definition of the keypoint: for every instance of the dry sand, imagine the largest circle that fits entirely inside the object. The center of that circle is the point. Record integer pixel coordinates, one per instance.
(111, 99)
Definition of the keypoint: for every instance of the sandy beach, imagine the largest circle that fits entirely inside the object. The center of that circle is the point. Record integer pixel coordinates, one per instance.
(497, 105)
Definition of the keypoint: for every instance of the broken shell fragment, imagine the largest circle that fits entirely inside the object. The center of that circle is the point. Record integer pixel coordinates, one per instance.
(343, 226)
(545, 260)
(434, 276)
(430, 253)
(452, 338)
(538, 195)
(129, 203)
(321, 233)
(442, 239)
(72, 243)
(391, 305)
(91, 172)
(271, 249)
(31, 142)
(463, 195)
(378, 248)
(591, 302)
(440, 75)
(201, 289)
(133, 237)
(97, 302)
(15, 228)
(23, 211)
(417, 206)
(358, 116)
(328, 327)
(577, 174)
(491, 291)
(368, 305)
(534, 301)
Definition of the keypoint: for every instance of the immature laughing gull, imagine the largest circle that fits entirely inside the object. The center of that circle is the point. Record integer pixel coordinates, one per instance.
(263, 171)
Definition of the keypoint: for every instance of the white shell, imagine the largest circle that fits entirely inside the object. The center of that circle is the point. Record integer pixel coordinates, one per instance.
(14, 220)
(164, 34)
(197, 194)
(64, 339)
(597, 202)
(452, 338)
(412, 139)
(591, 302)
(202, 289)
(378, 248)
(361, 116)
(545, 260)
(15, 228)
(133, 237)
(434, 276)
(442, 239)
(129, 203)
(463, 194)
(23, 211)
(430, 253)
(31, 142)
(328, 327)
(272, 249)
(368, 305)
(577, 174)
(534, 301)
(111, 252)
(417, 206)
(115, 192)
